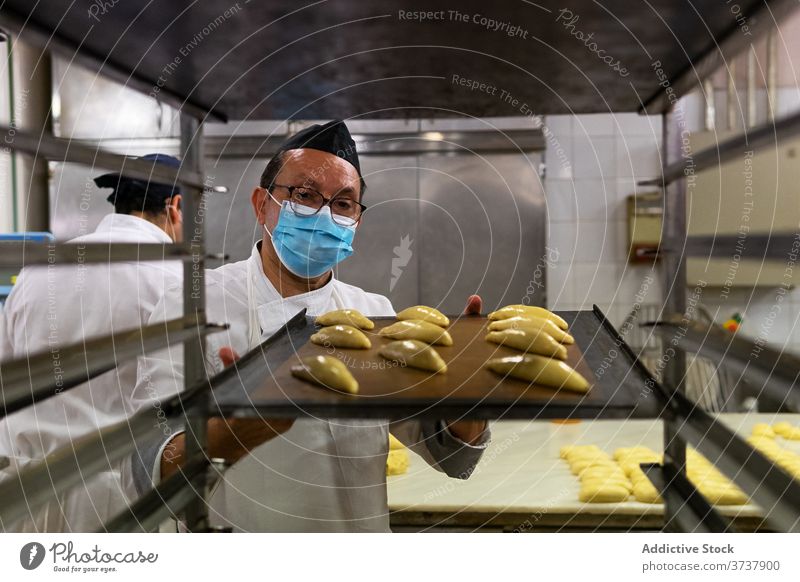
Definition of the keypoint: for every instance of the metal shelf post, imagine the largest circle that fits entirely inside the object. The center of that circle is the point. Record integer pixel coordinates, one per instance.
(194, 306)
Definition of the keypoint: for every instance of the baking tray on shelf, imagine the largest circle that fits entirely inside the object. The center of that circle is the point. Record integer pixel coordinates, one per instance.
(620, 386)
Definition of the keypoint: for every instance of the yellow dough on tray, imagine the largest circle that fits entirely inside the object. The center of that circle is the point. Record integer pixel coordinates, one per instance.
(394, 443)
(600, 493)
(572, 451)
(540, 370)
(341, 336)
(424, 313)
(326, 371)
(534, 323)
(529, 311)
(416, 329)
(345, 317)
(645, 492)
(763, 429)
(526, 340)
(397, 462)
(415, 354)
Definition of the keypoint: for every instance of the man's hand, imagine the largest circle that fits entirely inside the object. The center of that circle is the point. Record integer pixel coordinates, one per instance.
(474, 305)
(228, 438)
(469, 431)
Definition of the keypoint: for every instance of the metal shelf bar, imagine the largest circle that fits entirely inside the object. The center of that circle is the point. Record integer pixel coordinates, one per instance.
(773, 490)
(58, 149)
(164, 501)
(777, 246)
(763, 17)
(28, 380)
(20, 254)
(377, 144)
(776, 371)
(73, 464)
(767, 135)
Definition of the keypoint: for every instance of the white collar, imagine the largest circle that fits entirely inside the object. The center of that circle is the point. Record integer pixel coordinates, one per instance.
(126, 222)
(266, 291)
(269, 310)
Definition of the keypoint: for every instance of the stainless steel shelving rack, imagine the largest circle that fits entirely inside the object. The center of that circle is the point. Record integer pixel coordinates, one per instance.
(416, 83)
(30, 379)
(684, 423)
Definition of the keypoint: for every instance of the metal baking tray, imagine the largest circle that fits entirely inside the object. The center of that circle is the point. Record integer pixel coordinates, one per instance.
(263, 385)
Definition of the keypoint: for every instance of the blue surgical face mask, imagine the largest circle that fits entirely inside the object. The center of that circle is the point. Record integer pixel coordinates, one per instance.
(312, 245)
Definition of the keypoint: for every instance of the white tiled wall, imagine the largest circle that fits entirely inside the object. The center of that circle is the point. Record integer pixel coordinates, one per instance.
(605, 156)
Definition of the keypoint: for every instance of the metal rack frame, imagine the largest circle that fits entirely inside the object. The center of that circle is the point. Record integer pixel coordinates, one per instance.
(684, 423)
(27, 381)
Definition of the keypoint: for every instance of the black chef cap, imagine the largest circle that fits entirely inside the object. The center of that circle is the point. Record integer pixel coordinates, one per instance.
(140, 194)
(332, 137)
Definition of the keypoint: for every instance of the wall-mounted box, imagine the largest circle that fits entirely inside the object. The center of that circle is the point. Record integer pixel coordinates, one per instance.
(645, 218)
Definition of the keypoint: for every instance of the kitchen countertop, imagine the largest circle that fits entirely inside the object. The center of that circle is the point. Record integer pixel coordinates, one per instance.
(521, 483)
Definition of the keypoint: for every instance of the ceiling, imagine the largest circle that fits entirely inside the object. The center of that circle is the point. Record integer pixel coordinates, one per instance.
(251, 59)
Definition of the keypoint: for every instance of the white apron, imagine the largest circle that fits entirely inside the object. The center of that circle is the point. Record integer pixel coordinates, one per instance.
(319, 476)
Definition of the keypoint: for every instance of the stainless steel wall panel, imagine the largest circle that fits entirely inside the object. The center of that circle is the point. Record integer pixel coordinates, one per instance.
(231, 226)
(387, 254)
(482, 230)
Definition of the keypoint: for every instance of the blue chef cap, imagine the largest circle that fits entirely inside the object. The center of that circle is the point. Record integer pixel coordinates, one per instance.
(151, 194)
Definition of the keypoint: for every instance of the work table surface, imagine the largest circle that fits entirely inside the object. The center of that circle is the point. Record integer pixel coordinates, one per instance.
(521, 483)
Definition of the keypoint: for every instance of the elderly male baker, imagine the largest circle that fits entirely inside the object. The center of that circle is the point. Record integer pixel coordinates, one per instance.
(320, 475)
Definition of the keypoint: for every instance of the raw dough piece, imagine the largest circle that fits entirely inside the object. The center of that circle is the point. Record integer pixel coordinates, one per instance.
(607, 482)
(580, 465)
(424, 313)
(415, 354)
(397, 462)
(567, 450)
(326, 371)
(631, 466)
(594, 493)
(792, 435)
(345, 317)
(527, 340)
(394, 443)
(530, 311)
(723, 495)
(341, 336)
(624, 453)
(415, 329)
(645, 492)
(764, 430)
(612, 472)
(540, 370)
(535, 323)
(637, 476)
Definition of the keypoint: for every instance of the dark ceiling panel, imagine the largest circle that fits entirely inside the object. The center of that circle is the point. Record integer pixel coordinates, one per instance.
(279, 59)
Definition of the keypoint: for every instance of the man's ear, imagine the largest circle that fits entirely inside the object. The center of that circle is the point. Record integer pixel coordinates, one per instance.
(259, 200)
(174, 209)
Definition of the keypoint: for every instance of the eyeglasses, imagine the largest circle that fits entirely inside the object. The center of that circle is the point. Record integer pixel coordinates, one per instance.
(344, 210)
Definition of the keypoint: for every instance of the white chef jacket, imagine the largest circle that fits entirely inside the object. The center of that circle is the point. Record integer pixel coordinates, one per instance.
(52, 307)
(319, 476)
